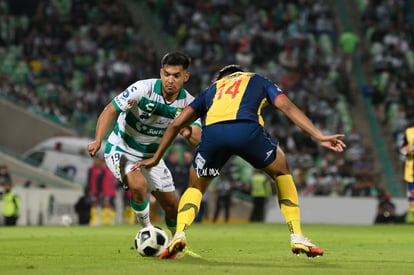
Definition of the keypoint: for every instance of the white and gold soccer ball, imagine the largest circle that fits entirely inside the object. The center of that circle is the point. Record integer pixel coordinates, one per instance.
(151, 241)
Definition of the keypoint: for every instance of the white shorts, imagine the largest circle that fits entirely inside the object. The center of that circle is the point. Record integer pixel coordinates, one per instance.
(158, 178)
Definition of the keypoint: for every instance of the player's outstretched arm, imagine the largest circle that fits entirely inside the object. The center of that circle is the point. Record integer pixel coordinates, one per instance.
(183, 120)
(332, 142)
(104, 120)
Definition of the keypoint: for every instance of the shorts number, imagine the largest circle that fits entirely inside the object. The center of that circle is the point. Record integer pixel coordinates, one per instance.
(115, 158)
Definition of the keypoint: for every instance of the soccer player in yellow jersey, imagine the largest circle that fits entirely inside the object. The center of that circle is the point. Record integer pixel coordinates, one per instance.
(407, 149)
(230, 109)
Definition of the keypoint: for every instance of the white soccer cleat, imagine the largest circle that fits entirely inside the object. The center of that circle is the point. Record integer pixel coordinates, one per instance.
(300, 244)
(177, 245)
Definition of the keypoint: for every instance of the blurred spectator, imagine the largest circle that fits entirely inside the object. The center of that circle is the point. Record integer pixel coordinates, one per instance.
(349, 42)
(204, 209)
(94, 187)
(11, 204)
(128, 215)
(187, 161)
(386, 210)
(363, 187)
(102, 186)
(83, 208)
(223, 188)
(107, 196)
(289, 59)
(260, 191)
(178, 170)
(4, 174)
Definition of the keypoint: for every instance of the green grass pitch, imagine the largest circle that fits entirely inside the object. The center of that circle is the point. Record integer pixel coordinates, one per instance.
(226, 249)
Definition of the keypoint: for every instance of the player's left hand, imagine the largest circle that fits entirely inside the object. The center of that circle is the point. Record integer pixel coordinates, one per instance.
(146, 163)
(186, 132)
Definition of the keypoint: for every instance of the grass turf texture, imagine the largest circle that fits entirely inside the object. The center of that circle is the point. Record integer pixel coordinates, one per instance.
(225, 248)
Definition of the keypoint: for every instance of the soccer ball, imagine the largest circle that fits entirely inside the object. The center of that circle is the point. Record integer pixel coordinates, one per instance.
(151, 241)
(66, 220)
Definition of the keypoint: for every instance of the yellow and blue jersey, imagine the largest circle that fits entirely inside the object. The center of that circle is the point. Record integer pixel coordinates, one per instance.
(409, 162)
(231, 112)
(239, 96)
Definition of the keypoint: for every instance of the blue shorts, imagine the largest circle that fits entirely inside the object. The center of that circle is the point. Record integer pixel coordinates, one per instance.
(220, 141)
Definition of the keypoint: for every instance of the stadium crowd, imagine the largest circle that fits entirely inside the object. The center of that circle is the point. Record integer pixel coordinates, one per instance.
(296, 45)
(64, 59)
(387, 29)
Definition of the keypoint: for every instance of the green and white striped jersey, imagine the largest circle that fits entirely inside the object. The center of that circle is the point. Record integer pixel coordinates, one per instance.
(144, 117)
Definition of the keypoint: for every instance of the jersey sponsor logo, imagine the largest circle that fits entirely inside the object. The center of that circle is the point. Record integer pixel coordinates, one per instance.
(200, 161)
(204, 172)
(179, 110)
(163, 122)
(144, 116)
(133, 88)
(155, 132)
(118, 101)
(149, 131)
(149, 107)
(268, 154)
(144, 217)
(166, 176)
(167, 185)
(278, 89)
(188, 206)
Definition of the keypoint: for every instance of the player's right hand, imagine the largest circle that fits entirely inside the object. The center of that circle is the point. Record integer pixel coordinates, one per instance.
(93, 147)
(333, 142)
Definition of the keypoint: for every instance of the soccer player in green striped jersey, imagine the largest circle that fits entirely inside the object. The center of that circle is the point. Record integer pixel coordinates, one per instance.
(143, 112)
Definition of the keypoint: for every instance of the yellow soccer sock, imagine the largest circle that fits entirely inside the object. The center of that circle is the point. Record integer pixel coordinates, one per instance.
(188, 208)
(289, 202)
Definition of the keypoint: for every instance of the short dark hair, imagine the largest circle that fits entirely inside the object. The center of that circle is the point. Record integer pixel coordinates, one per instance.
(227, 70)
(176, 58)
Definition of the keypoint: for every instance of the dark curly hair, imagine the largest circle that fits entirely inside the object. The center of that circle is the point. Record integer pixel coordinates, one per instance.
(227, 70)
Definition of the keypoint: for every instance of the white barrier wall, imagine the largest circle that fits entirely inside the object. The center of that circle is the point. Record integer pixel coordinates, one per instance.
(327, 210)
(46, 207)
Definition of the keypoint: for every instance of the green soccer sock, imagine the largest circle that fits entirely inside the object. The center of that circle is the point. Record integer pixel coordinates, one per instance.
(142, 212)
